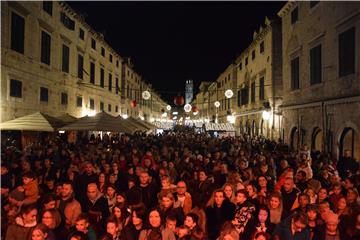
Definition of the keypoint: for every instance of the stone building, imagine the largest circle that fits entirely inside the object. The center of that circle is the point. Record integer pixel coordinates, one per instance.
(54, 62)
(259, 83)
(321, 76)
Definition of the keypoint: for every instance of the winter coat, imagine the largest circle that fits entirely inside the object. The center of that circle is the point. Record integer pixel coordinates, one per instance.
(283, 231)
(244, 215)
(187, 203)
(31, 192)
(71, 211)
(130, 232)
(98, 211)
(19, 230)
(215, 217)
(166, 234)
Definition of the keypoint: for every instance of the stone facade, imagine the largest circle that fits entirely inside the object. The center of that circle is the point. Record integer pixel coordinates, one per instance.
(43, 46)
(324, 103)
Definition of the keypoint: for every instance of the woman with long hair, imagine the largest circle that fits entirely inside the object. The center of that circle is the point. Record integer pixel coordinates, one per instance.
(121, 214)
(323, 195)
(275, 207)
(102, 182)
(132, 230)
(262, 221)
(24, 224)
(229, 192)
(155, 230)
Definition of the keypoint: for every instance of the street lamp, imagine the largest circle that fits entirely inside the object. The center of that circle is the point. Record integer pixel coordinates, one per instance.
(187, 108)
(217, 104)
(146, 95)
(229, 93)
(266, 115)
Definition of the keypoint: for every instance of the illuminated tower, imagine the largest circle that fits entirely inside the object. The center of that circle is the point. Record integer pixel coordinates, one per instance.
(189, 91)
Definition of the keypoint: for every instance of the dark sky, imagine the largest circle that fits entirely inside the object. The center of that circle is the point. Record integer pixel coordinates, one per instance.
(170, 42)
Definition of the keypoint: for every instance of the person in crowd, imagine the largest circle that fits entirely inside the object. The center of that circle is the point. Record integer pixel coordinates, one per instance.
(204, 188)
(52, 219)
(24, 224)
(147, 190)
(244, 214)
(192, 223)
(132, 230)
(112, 229)
(155, 229)
(121, 215)
(110, 195)
(335, 194)
(183, 198)
(331, 228)
(102, 183)
(275, 207)
(68, 206)
(289, 195)
(229, 192)
(314, 222)
(82, 181)
(40, 232)
(97, 207)
(293, 227)
(262, 222)
(253, 196)
(167, 208)
(228, 232)
(218, 211)
(301, 182)
(170, 223)
(83, 227)
(28, 193)
(347, 165)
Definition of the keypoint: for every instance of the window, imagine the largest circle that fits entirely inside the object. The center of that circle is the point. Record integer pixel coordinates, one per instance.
(101, 106)
(102, 76)
(244, 96)
(44, 94)
(315, 65)
(67, 22)
(253, 55)
(102, 51)
(262, 89)
(79, 101)
(65, 58)
(15, 88)
(109, 107)
(92, 72)
(116, 108)
(240, 66)
(93, 44)
(80, 66)
(92, 104)
(253, 92)
(17, 32)
(81, 34)
(117, 85)
(295, 84)
(239, 98)
(45, 47)
(229, 77)
(64, 98)
(262, 48)
(48, 6)
(313, 3)
(347, 52)
(117, 63)
(110, 58)
(246, 61)
(110, 82)
(294, 15)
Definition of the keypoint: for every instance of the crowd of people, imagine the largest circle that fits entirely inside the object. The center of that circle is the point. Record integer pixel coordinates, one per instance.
(178, 185)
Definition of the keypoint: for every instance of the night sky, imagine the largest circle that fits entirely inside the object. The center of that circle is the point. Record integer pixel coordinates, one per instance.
(170, 42)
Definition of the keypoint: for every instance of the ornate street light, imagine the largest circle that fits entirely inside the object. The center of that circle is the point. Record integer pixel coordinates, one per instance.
(229, 93)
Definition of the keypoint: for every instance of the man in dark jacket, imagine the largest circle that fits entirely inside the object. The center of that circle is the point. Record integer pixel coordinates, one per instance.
(289, 194)
(82, 181)
(97, 207)
(293, 227)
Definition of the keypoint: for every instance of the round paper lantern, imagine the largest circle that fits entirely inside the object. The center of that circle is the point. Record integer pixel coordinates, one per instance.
(133, 103)
(146, 95)
(168, 107)
(229, 93)
(187, 107)
(217, 104)
(179, 100)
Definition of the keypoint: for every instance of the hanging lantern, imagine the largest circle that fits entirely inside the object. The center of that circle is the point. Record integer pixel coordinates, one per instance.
(229, 93)
(133, 103)
(217, 104)
(187, 108)
(179, 100)
(146, 95)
